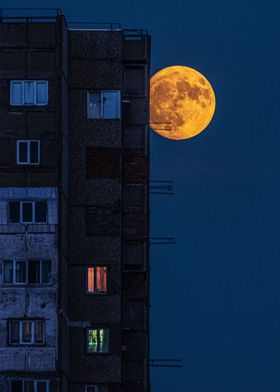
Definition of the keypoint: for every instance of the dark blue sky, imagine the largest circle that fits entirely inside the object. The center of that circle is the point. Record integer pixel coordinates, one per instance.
(216, 293)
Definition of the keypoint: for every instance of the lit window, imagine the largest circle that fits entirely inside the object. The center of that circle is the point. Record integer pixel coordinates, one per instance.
(29, 385)
(27, 272)
(28, 152)
(28, 212)
(104, 104)
(96, 280)
(26, 332)
(29, 92)
(97, 340)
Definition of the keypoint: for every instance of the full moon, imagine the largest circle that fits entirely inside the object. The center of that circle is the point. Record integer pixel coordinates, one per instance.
(182, 102)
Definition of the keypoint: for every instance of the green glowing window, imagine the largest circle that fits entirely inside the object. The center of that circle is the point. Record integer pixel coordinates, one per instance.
(97, 340)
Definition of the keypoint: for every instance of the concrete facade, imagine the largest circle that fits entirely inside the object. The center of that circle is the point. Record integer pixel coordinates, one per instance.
(93, 176)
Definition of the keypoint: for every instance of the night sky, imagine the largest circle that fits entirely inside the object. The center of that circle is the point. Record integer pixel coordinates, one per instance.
(216, 293)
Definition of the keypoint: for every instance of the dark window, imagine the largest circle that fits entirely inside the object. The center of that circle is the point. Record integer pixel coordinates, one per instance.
(27, 212)
(34, 271)
(34, 152)
(28, 386)
(27, 271)
(26, 332)
(41, 386)
(23, 152)
(133, 196)
(14, 332)
(14, 211)
(28, 152)
(16, 386)
(40, 212)
(46, 271)
(20, 271)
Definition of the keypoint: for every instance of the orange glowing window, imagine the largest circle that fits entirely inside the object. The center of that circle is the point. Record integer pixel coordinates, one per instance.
(97, 280)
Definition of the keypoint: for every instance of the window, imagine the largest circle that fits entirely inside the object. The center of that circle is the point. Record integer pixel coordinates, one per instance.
(28, 152)
(97, 340)
(29, 386)
(104, 104)
(96, 280)
(26, 332)
(134, 80)
(27, 272)
(29, 92)
(91, 388)
(28, 212)
(134, 256)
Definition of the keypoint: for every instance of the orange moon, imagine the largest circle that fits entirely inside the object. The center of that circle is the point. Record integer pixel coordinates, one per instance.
(182, 102)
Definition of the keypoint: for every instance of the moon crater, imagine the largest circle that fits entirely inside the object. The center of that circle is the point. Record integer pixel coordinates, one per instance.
(182, 102)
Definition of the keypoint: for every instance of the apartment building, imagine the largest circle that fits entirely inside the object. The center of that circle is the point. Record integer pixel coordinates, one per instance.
(74, 209)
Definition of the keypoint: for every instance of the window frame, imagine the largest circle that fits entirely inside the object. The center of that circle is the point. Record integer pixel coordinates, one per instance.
(99, 328)
(33, 221)
(102, 92)
(35, 382)
(21, 342)
(15, 283)
(91, 386)
(28, 142)
(96, 292)
(35, 83)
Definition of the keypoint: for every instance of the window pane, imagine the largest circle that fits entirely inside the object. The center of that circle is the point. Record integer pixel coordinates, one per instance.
(14, 211)
(34, 271)
(40, 212)
(28, 386)
(27, 212)
(92, 340)
(20, 272)
(101, 279)
(41, 93)
(16, 386)
(16, 93)
(94, 105)
(34, 152)
(14, 332)
(39, 331)
(28, 92)
(111, 104)
(26, 331)
(90, 280)
(46, 271)
(22, 152)
(41, 386)
(103, 340)
(8, 271)
(91, 388)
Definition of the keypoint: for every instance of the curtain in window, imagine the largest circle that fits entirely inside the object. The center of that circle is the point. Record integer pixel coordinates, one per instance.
(26, 331)
(111, 104)
(90, 280)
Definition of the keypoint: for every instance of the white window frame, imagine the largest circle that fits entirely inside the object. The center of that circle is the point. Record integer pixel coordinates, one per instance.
(87, 388)
(14, 282)
(28, 142)
(33, 202)
(102, 92)
(32, 341)
(32, 380)
(35, 83)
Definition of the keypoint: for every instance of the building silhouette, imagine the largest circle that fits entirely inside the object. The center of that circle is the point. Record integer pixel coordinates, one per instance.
(74, 210)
